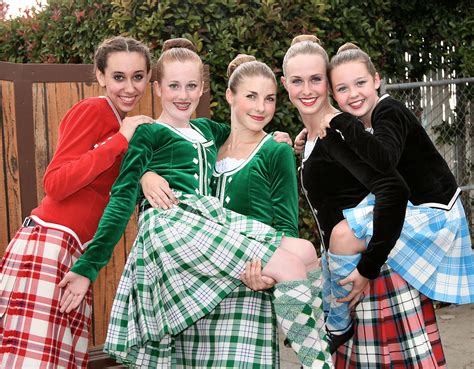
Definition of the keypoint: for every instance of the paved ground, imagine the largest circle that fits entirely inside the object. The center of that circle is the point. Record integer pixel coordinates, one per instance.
(456, 324)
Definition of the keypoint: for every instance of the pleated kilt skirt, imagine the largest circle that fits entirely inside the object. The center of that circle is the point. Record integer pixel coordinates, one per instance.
(434, 252)
(33, 332)
(241, 332)
(395, 328)
(184, 262)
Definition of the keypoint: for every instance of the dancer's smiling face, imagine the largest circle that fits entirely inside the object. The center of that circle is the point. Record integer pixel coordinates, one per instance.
(355, 89)
(179, 89)
(306, 82)
(125, 79)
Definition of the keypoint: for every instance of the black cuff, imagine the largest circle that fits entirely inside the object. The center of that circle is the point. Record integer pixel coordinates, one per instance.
(368, 268)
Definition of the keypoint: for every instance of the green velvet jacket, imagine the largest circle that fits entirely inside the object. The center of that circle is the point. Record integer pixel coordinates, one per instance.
(186, 164)
(264, 187)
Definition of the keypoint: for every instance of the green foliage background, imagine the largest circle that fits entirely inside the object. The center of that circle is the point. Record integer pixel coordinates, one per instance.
(430, 32)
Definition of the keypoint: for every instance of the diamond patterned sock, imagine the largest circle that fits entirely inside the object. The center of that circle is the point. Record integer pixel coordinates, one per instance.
(339, 318)
(293, 308)
(316, 279)
(327, 296)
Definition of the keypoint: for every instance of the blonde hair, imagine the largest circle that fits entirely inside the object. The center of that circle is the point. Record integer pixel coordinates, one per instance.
(350, 52)
(305, 45)
(177, 49)
(243, 66)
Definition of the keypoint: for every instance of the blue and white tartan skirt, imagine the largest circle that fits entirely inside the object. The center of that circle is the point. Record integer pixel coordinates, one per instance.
(433, 253)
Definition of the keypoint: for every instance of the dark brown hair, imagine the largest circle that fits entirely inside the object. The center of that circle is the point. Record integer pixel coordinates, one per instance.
(350, 52)
(118, 44)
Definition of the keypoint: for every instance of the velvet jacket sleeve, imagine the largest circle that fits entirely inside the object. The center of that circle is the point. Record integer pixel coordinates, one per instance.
(391, 197)
(383, 149)
(284, 189)
(121, 205)
(80, 157)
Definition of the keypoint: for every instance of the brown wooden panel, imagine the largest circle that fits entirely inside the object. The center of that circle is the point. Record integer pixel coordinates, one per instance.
(12, 181)
(98, 359)
(60, 97)
(4, 230)
(40, 119)
(46, 72)
(145, 107)
(91, 90)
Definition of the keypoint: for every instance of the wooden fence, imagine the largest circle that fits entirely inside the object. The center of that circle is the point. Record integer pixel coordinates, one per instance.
(34, 98)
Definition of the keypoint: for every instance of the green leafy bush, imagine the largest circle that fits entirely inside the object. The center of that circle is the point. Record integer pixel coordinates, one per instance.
(62, 32)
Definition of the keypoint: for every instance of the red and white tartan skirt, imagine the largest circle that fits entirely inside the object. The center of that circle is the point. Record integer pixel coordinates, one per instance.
(395, 328)
(33, 332)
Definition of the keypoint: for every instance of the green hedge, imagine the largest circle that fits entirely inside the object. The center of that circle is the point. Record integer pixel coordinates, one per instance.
(67, 32)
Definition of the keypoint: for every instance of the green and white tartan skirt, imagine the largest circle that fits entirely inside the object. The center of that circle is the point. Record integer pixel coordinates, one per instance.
(184, 262)
(241, 332)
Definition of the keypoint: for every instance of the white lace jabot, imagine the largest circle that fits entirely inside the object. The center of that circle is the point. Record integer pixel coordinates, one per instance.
(228, 164)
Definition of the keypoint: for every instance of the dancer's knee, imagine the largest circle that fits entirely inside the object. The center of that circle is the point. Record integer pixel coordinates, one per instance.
(301, 248)
(343, 241)
(285, 266)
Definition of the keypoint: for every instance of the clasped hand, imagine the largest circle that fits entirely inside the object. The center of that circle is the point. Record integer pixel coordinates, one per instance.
(253, 278)
(74, 287)
(360, 283)
(321, 131)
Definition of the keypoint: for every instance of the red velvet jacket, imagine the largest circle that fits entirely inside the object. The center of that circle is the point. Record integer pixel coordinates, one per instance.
(87, 160)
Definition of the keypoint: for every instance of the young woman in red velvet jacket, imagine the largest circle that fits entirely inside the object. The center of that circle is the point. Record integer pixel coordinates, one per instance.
(93, 137)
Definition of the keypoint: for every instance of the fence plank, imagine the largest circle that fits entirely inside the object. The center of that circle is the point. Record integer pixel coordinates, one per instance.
(12, 187)
(91, 89)
(60, 98)
(40, 119)
(4, 230)
(146, 105)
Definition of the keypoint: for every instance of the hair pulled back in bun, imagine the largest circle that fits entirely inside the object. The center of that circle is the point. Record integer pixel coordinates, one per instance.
(348, 46)
(350, 52)
(304, 45)
(177, 50)
(239, 60)
(303, 38)
(243, 66)
(176, 43)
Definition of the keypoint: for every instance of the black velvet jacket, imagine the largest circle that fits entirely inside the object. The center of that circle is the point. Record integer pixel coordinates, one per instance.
(400, 142)
(336, 178)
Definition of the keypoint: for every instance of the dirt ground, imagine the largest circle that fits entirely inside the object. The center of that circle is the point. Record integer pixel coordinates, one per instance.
(456, 325)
